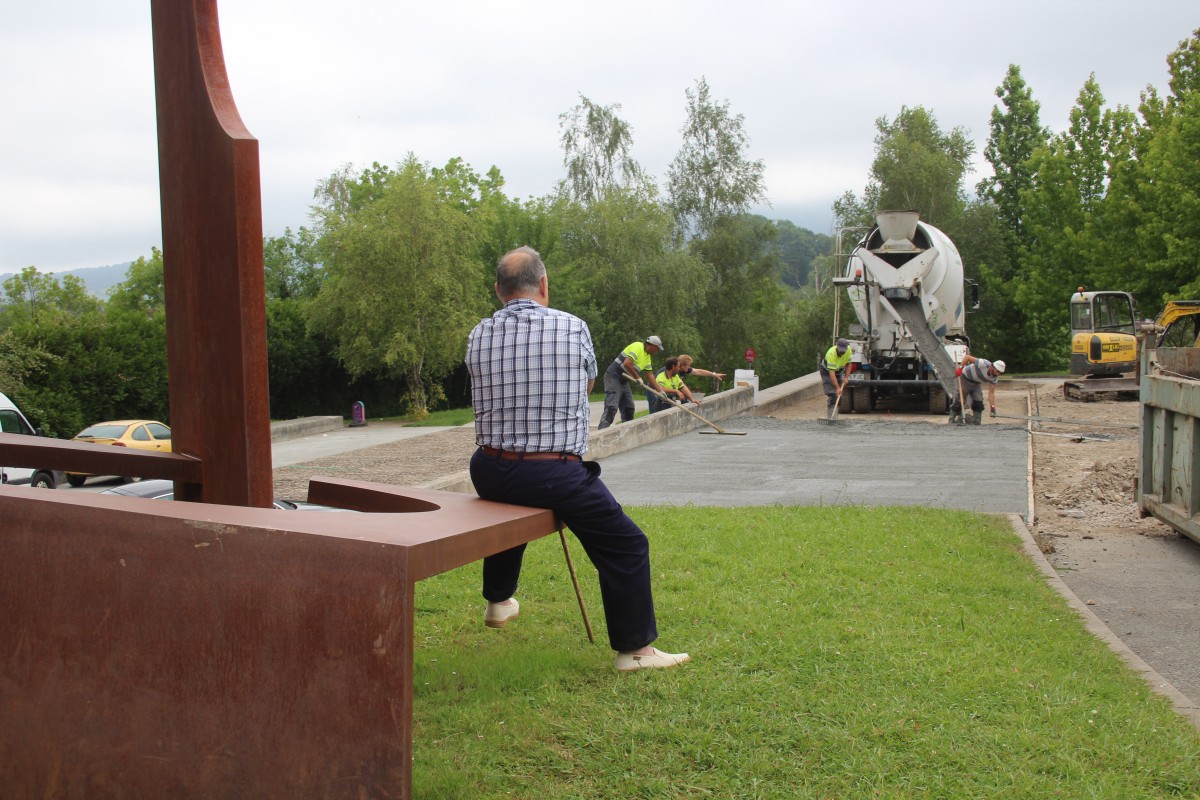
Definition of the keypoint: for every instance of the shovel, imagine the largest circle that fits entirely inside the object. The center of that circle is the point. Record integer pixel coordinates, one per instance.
(662, 396)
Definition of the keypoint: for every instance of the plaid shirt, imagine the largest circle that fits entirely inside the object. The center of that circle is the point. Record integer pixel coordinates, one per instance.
(529, 370)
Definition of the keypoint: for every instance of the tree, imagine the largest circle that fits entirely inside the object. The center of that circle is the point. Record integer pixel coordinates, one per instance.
(798, 248)
(744, 294)
(712, 184)
(33, 298)
(1014, 135)
(1060, 251)
(617, 268)
(918, 167)
(596, 144)
(1150, 232)
(403, 281)
(712, 177)
(292, 265)
(136, 322)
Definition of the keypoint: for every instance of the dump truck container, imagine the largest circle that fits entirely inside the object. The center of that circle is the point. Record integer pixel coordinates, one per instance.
(1169, 438)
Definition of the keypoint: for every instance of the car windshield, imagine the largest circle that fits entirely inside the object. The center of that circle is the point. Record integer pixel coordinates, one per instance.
(102, 432)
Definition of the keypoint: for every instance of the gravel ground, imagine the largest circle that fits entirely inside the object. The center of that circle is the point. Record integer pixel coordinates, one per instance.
(408, 462)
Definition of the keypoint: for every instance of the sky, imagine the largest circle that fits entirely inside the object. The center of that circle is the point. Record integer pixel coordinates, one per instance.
(322, 85)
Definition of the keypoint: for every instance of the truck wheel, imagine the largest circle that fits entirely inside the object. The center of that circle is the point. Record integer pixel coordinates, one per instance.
(937, 401)
(861, 399)
(76, 480)
(43, 480)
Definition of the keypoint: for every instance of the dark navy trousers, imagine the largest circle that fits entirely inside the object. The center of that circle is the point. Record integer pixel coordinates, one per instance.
(614, 543)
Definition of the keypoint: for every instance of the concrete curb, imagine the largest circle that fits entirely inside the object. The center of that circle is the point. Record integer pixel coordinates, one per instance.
(295, 428)
(1180, 702)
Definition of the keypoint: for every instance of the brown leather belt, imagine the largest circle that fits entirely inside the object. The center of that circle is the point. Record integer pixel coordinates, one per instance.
(509, 455)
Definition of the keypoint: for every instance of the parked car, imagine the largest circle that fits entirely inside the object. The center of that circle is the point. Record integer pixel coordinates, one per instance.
(13, 421)
(140, 434)
(165, 490)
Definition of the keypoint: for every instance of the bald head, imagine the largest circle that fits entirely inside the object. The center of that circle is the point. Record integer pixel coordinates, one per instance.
(520, 273)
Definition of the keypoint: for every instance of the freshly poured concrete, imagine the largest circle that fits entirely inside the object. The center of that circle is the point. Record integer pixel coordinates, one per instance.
(812, 462)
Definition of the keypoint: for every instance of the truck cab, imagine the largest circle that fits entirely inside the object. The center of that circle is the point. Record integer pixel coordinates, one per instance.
(13, 421)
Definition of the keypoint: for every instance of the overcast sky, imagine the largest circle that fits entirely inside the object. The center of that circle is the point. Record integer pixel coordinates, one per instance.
(322, 84)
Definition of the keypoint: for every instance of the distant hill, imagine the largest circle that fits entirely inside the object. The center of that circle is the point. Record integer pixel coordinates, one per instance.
(98, 280)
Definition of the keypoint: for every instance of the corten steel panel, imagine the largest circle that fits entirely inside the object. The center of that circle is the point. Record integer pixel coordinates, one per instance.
(36, 452)
(159, 649)
(212, 260)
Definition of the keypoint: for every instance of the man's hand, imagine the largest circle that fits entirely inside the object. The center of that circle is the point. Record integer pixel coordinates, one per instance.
(993, 411)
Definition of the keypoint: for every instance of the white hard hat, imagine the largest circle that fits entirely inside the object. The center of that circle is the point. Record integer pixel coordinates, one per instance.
(654, 340)
(999, 365)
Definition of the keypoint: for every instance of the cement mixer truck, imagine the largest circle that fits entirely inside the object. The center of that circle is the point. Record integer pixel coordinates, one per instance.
(905, 282)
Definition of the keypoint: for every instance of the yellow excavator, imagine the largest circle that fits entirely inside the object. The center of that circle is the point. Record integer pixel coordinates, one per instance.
(1104, 344)
(1178, 325)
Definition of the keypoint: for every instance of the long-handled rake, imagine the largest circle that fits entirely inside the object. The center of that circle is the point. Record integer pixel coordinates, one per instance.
(962, 404)
(717, 428)
(837, 402)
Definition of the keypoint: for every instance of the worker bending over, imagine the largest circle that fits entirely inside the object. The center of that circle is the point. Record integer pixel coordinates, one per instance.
(973, 374)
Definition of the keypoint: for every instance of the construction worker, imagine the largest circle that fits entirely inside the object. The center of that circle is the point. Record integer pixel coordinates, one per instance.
(672, 385)
(973, 373)
(834, 367)
(634, 361)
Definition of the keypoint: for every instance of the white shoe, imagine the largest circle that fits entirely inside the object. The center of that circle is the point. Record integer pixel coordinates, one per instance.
(498, 614)
(656, 659)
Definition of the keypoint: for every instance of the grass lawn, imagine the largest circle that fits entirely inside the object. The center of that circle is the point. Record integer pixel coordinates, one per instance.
(836, 653)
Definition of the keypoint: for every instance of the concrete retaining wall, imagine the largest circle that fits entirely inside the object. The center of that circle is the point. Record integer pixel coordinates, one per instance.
(785, 394)
(304, 426)
(653, 427)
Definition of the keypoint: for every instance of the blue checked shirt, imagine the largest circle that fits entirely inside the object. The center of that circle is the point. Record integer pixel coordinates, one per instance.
(529, 370)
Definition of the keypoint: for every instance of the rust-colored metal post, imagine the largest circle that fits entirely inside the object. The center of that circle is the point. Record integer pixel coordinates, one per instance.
(212, 261)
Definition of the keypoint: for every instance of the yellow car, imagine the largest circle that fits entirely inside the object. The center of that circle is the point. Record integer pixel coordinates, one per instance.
(140, 434)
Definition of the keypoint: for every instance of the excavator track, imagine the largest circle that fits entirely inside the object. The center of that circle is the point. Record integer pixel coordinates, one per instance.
(1089, 389)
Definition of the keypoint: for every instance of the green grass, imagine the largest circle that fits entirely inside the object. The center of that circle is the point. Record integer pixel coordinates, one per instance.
(836, 652)
(445, 417)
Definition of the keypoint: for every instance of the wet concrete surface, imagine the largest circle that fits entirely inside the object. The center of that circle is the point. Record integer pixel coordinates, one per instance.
(814, 462)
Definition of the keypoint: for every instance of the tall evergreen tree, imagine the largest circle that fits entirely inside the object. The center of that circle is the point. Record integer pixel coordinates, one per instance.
(1014, 134)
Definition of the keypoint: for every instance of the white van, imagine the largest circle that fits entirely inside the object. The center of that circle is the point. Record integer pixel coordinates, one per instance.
(13, 421)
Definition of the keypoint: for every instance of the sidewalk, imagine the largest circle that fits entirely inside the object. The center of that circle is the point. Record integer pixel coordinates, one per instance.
(343, 440)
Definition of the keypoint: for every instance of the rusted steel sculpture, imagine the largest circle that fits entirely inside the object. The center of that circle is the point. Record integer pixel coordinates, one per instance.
(187, 650)
(212, 261)
(220, 649)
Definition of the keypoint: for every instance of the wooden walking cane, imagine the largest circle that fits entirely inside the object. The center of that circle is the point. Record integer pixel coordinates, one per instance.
(662, 396)
(587, 622)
